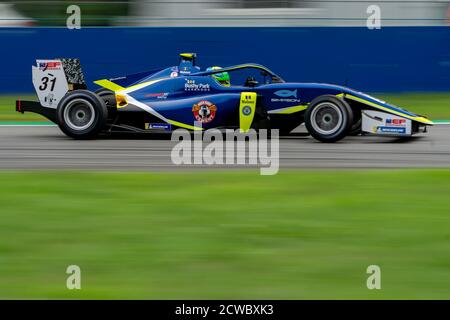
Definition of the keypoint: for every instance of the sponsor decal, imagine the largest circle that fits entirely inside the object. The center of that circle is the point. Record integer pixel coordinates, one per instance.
(289, 96)
(246, 110)
(174, 74)
(50, 99)
(395, 122)
(246, 99)
(158, 126)
(160, 95)
(285, 100)
(191, 85)
(185, 70)
(286, 93)
(119, 78)
(54, 65)
(397, 130)
(204, 111)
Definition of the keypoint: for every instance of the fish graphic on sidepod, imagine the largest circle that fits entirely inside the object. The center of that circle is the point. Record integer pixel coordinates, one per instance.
(286, 93)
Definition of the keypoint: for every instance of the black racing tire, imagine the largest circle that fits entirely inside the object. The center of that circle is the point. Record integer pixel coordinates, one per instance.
(81, 114)
(356, 128)
(328, 118)
(102, 91)
(109, 97)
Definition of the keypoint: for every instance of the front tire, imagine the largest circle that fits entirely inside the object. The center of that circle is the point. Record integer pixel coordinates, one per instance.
(81, 114)
(356, 128)
(328, 118)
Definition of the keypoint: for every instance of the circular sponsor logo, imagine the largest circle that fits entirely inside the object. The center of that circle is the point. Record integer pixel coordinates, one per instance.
(204, 111)
(246, 110)
(174, 74)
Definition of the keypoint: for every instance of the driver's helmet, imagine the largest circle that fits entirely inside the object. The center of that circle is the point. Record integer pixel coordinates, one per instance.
(223, 77)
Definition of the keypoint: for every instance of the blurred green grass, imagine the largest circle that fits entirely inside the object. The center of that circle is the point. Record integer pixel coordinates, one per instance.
(296, 235)
(432, 105)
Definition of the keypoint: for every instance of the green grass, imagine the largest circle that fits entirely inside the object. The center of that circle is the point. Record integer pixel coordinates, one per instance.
(434, 106)
(296, 235)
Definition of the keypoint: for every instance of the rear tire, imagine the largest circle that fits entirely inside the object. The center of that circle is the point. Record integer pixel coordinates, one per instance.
(109, 97)
(328, 118)
(81, 114)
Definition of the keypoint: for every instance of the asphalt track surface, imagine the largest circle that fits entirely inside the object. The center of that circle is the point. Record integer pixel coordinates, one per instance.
(44, 147)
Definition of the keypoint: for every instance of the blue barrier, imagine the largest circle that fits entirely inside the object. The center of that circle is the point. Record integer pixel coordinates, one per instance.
(392, 59)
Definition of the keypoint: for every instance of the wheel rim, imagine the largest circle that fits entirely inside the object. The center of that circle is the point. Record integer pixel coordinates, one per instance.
(79, 114)
(326, 118)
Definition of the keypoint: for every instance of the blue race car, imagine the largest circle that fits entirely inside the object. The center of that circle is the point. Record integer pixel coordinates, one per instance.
(244, 96)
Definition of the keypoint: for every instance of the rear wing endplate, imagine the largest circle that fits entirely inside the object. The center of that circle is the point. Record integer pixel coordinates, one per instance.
(52, 79)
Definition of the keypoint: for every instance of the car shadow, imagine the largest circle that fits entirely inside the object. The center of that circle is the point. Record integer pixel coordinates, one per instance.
(389, 140)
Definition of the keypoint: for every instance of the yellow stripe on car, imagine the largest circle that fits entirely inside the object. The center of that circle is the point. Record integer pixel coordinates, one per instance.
(105, 83)
(142, 85)
(375, 105)
(108, 84)
(183, 125)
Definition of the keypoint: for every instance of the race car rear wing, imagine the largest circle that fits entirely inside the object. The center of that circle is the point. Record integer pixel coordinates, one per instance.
(52, 79)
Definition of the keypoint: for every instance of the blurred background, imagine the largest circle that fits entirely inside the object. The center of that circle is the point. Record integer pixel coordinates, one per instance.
(227, 12)
(236, 234)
